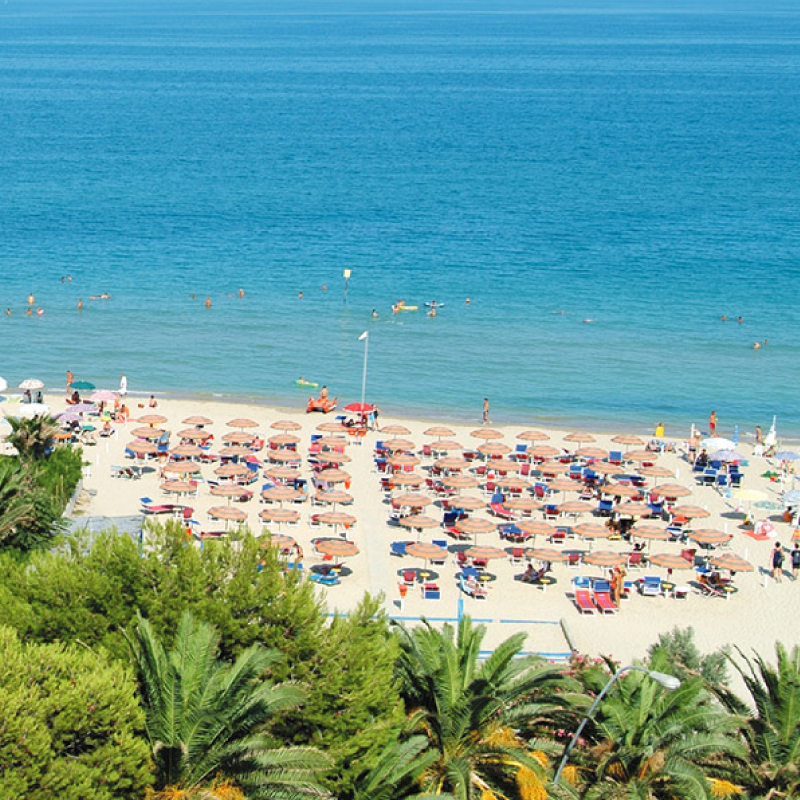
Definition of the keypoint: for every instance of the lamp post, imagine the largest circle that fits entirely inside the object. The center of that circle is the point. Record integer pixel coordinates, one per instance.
(365, 337)
(669, 682)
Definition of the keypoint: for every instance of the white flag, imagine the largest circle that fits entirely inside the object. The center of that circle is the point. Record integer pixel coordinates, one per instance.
(363, 336)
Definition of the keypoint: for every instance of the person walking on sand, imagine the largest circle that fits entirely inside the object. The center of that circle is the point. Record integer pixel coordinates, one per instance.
(712, 424)
(70, 379)
(777, 562)
(486, 420)
(796, 561)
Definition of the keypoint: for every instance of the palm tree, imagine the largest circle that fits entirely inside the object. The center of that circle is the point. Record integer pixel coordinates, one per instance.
(394, 776)
(470, 711)
(772, 769)
(205, 718)
(651, 743)
(32, 437)
(17, 501)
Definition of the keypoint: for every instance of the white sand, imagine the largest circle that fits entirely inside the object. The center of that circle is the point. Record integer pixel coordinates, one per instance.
(753, 618)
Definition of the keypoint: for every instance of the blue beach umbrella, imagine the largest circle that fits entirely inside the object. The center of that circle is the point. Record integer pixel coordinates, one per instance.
(787, 455)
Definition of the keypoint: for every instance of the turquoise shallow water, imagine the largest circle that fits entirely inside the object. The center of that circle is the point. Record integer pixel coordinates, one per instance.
(631, 166)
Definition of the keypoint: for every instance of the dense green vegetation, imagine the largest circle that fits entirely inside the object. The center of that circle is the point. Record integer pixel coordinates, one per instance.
(172, 672)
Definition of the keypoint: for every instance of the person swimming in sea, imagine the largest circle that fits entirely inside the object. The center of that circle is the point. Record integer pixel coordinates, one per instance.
(374, 313)
(208, 302)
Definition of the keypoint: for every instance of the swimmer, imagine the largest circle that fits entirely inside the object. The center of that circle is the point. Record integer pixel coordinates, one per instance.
(31, 299)
(208, 302)
(395, 309)
(756, 345)
(468, 301)
(740, 320)
(765, 342)
(723, 318)
(80, 304)
(69, 278)
(193, 297)
(63, 279)
(299, 295)
(587, 321)
(374, 314)
(8, 312)
(241, 292)
(324, 288)
(39, 311)
(432, 312)
(28, 311)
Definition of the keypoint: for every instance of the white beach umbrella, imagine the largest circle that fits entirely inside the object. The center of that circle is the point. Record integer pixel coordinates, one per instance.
(3, 384)
(717, 443)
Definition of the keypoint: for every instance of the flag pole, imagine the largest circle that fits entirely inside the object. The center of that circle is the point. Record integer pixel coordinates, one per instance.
(365, 337)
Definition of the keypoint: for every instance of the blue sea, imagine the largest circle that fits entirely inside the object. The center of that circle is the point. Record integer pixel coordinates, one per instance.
(603, 181)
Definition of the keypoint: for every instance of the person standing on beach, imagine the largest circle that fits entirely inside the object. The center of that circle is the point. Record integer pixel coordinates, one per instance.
(123, 385)
(70, 379)
(712, 424)
(486, 420)
(777, 562)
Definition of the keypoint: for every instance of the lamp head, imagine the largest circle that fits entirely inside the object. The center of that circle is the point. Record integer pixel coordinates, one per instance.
(669, 682)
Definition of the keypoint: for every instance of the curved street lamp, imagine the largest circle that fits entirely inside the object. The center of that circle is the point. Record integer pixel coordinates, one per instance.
(669, 682)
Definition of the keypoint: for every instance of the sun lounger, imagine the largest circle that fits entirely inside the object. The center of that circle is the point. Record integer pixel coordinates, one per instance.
(325, 580)
(398, 548)
(603, 602)
(499, 511)
(651, 586)
(476, 592)
(431, 592)
(584, 601)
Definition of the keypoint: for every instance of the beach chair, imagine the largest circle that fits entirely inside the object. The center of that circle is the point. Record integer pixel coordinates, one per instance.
(605, 508)
(736, 479)
(681, 592)
(689, 553)
(581, 582)
(476, 592)
(409, 577)
(439, 560)
(551, 512)
(707, 588)
(651, 586)
(431, 591)
(331, 579)
(584, 602)
(516, 555)
(602, 597)
(574, 560)
(398, 548)
(636, 559)
(499, 511)
(615, 457)
(521, 452)
(558, 536)
(722, 480)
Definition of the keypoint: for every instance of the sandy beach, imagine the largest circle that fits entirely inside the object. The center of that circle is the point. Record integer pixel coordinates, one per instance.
(755, 616)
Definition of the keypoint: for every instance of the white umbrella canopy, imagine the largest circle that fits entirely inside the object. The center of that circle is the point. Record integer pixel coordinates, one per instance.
(3, 384)
(717, 443)
(31, 383)
(27, 410)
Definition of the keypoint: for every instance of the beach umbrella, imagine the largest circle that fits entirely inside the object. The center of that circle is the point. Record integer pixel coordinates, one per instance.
(395, 430)
(690, 512)
(562, 484)
(418, 522)
(533, 436)
(281, 473)
(628, 439)
(459, 481)
(3, 384)
(102, 396)
(791, 498)
(338, 548)
(715, 443)
(333, 496)
(227, 513)
(331, 427)
(411, 500)
(732, 562)
(179, 487)
(334, 475)
(279, 540)
(233, 451)
(602, 468)
(672, 490)
(144, 432)
(543, 451)
(425, 550)
(511, 483)
(283, 440)
(360, 408)
(657, 471)
(181, 467)
(620, 490)
(238, 437)
(709, 536)
(30, 410)
(494, 449)
(232, 471)
(403, 460)
(229, 490)
(407, 479)
(141, 448)
(649, 532)
(552, 468)
(152, 419)
(476, 525)
(726, 455)
(279, 516)
(336, 519)
(524, 504)
(631, 509)
(279, 494)
(465, 502)
(399, 445)
(786, 455)
(331, 457)
(595, 453)
(83, 408)
(749, 495)
(332, 441)
(641, 455)
(193, 434)
(606, 559)
(439, 431)
(484, 552)
(31, 384)
(241, 422)
(581, 437)
(546, 554)
(592, 530)
(284, 456)
(670, 561)
(197, 421)
(486, 433)
(446, 446)
(68, 416)
(503, 465)
(286, 425)
(575, 507)
(185, 451)
(450, 463)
